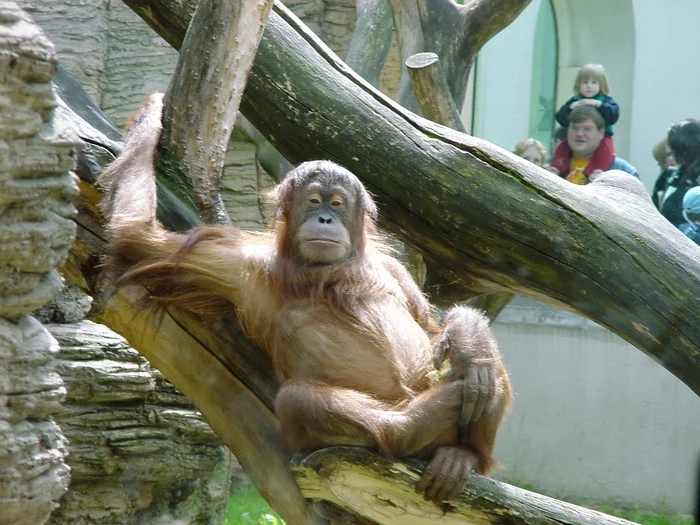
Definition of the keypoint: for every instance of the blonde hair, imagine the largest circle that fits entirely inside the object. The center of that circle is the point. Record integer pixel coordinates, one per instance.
(597, 73)
(522, 146)
(660, 151)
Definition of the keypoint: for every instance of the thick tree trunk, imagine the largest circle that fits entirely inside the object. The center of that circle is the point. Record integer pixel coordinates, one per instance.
(485, 220)
(203, 98)
(371, 41)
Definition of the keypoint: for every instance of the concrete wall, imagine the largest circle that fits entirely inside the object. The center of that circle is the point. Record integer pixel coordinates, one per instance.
(666, 77)
(594, 418)
(503, 79)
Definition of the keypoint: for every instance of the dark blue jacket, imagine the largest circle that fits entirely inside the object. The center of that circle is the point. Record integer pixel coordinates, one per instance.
(608, 109)
(671, 200)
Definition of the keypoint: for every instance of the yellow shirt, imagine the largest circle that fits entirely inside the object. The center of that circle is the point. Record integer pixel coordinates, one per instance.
(576, 174)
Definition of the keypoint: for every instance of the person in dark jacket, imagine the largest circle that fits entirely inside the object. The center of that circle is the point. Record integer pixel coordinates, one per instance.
(684, 141)
(591, 88)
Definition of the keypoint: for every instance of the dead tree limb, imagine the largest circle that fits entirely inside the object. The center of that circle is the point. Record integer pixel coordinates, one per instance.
(371, 40)
(383, 491)
(486, 220)
(454, 32)
(432, 91)
(203, 98)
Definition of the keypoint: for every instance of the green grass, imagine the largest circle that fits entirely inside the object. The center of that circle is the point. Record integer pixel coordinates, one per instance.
(645, 517)
(247, 507)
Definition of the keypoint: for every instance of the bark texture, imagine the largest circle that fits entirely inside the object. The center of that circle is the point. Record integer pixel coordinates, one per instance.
(485, 220)
(204, 95)
(382, 491)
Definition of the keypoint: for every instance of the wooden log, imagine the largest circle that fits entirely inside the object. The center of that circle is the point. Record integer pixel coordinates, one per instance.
(380, 490)
(431, 89)
(202, 101)
(485, 220)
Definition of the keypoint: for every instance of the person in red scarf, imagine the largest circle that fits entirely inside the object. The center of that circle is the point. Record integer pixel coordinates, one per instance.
(584, 136)
(591, 88)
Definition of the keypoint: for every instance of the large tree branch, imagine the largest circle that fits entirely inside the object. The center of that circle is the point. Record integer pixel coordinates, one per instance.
(383, 491)
(484, 19)
(371, 41)
(188, 354)
(485, 220)
(432, 91)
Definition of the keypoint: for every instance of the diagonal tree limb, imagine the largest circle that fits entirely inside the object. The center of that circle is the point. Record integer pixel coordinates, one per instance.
(486, 220)
(371, 40)
(204, 94)
(484, 19)
(183, 350)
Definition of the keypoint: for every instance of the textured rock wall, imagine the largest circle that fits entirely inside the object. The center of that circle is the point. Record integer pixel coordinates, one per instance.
(36, 231)
(139, 451)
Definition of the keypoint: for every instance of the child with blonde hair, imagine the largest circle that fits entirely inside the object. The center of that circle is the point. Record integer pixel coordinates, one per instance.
(592, 88)
(532, 150)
